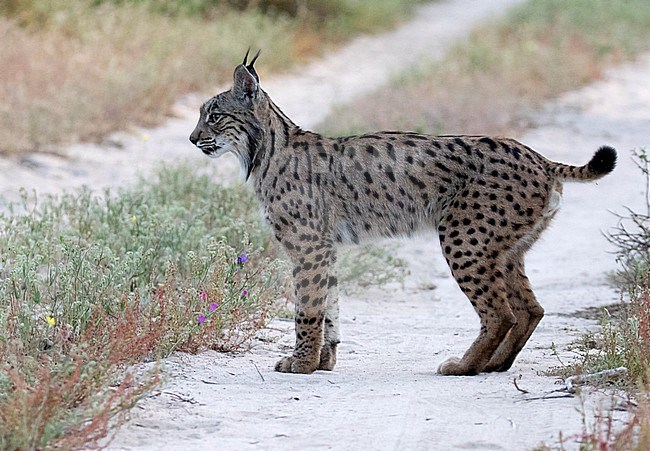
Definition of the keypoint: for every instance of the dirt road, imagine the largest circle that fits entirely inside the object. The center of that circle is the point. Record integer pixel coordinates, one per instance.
(384, 392)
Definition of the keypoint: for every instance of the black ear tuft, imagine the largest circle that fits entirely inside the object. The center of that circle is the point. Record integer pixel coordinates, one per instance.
(246, 80)
(250, 67)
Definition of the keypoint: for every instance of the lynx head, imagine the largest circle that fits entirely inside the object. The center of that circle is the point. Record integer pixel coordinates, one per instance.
(229, 121)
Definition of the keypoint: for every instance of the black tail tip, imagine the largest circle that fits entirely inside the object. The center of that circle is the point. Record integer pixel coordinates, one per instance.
(603, 161)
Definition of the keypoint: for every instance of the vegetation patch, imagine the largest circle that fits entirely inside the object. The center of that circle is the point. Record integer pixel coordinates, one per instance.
(623, 339)
(77, 69)
(485, 85)
(89, 284)
(369, 265)
(632, 235)
(624, 336)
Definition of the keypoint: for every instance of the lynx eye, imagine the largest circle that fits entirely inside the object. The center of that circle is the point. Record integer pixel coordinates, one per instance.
(213, 118)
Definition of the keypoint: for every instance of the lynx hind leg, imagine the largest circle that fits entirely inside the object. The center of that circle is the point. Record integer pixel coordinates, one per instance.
(528, 313)
(496, 320)
(311, 280)
(331, 327)
(483, 244)
(481, 278)
(520, 295)
(487, 263)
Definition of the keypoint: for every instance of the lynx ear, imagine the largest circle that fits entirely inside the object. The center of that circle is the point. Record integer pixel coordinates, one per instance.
(249, 66)
(246, 81)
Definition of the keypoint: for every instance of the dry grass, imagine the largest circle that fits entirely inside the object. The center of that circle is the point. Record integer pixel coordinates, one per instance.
(487, 84)
(636, 433)
(604, 432)
(102, 71)
(70, 400)
(72, 71)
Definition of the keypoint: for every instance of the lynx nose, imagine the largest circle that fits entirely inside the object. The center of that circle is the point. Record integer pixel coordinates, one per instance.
(195, 136)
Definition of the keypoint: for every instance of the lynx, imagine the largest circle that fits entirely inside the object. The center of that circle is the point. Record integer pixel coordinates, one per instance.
(489, 198)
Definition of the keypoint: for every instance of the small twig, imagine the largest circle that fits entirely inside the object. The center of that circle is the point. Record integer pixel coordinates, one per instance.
(569, 390)
(154, 394)
(514, 381)
(209, 382)
(258, 372)
(581, 379)
(181, 398)
(548, 396)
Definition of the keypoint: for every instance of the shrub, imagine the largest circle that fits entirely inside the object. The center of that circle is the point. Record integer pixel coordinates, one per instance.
(90, 283)
(632, 236)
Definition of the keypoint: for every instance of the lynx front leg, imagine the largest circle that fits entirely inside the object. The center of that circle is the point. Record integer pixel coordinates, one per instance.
(311, 280)
(331, 333)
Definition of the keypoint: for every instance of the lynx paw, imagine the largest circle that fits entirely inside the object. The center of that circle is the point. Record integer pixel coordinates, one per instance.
(293, 364)
(454, 366)
(327, 357)
(449, 367)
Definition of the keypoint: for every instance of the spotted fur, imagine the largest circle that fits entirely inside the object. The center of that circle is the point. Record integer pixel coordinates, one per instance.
(488, 198)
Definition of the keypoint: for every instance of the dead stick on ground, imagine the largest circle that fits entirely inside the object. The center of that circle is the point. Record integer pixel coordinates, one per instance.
(550, 396)
(570, 383)
(181, 398)
(258, 371)
(581, 379)
(514, 381)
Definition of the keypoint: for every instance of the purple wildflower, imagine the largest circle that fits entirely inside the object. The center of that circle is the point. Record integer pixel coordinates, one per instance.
(244, 293)
(204, 296)
(242, 258)
(213, 306)
(201, 319)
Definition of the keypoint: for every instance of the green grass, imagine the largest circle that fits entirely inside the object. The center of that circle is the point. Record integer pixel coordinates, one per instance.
(90, 283)
(507, 67)
(369, 265)
(78, 69)
(622, 340)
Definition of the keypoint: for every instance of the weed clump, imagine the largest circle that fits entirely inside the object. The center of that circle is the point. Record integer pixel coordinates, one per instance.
(90, 284)
(632, 236)
(624, 335)
(75, 70)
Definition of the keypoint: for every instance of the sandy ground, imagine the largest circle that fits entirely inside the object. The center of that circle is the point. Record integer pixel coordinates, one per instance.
(384, 392)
